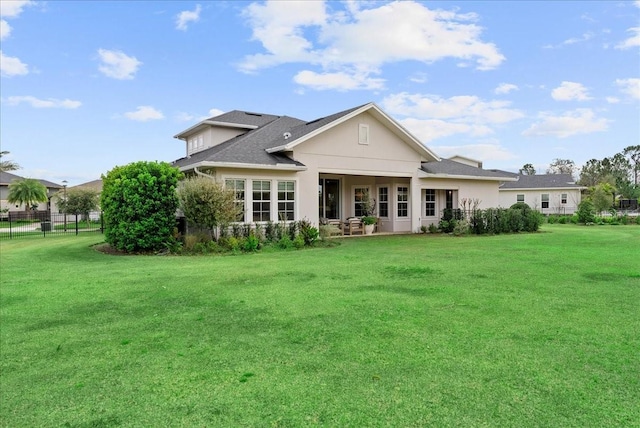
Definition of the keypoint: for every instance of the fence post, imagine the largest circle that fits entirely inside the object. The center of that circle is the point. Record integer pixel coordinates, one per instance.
(10, 231)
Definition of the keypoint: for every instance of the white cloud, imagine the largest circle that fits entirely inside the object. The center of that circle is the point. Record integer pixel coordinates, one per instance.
(187, 16)
(215, 112)
(350, 45)
(118, 65)
(630, 87)
(144, 114)
(13, 8)
(579, 121)
(632, 41)
(419, 78)
(430, 117)
(341, 81)
(48, 103)
(613, 100)
(12, 66)
(5, 29)
(569, 91)
(505, 88)
(481, 152)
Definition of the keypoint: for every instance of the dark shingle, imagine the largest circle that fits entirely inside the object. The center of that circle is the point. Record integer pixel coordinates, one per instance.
(449, 167)
(542, 181)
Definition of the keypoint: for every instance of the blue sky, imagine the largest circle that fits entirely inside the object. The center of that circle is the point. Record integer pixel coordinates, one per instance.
(90, 85)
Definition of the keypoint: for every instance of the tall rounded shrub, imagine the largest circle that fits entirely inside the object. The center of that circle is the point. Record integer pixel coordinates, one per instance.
(139, 203)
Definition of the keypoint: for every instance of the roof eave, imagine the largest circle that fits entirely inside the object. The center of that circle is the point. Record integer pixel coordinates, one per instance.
(278, 166)
(289, 146)
(204, 123)
(425, 174)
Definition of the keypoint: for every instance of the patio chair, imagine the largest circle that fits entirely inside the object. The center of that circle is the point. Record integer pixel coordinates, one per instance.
(354, 225)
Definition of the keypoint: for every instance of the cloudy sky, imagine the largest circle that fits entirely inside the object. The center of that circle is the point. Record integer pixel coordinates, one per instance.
(90, 85)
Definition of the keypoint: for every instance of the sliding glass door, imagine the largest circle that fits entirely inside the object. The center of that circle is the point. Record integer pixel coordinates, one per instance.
(329, 198)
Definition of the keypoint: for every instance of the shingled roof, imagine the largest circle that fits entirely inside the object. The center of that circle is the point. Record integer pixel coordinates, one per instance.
(449, 168)
(249, 148)
(543, 181)
(6, 178)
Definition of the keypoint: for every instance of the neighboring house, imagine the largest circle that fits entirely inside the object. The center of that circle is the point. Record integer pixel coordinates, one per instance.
(95, 185)
(7, 178)
(547, 193)
(283, 168)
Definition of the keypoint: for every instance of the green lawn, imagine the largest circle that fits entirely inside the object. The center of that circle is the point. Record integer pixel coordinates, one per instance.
(391, 331)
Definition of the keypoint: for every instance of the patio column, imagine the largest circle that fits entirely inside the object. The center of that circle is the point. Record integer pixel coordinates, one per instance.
(416, 204)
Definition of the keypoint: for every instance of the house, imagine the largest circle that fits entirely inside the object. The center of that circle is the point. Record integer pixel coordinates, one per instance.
(284, 168)
(547, 193)
(7, 178)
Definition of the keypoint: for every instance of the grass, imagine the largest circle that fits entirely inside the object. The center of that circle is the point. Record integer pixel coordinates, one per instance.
(514, 330)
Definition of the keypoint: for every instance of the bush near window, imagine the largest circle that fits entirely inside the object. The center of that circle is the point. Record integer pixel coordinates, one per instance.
(139, 203)
(207, 204)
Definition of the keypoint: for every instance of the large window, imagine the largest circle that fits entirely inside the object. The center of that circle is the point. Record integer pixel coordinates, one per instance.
(520, 198)
(403, 201)
(383, 202)
(545, 200)
(238, 187)
(360, 199)
(286, 200)
(261, 200)
(430, 203)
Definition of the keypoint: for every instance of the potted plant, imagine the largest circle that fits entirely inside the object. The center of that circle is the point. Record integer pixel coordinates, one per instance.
(369, 222)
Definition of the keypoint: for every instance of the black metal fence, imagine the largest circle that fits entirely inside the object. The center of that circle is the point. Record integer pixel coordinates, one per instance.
(42, 223)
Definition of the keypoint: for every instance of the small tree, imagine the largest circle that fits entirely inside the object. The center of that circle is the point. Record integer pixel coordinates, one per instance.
(602, 197)
(586, 212)
(139, 204)
(562, 166)
(7, 165)
(28, 191)
(78, 201)
(207, 204)
(528, 169)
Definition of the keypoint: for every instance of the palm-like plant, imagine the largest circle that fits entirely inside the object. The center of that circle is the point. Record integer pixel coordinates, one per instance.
(6, 165)
(28, 191)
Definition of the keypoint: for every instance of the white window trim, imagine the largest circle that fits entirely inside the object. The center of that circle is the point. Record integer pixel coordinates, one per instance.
(353, 195)
(435, 204)
(408, 202)
(388, 202)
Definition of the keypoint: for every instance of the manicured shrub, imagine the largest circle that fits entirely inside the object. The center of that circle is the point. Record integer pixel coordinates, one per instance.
(285, 242)
(298, 242)
(139, 202)
(251, 243)
(433, 228)
(586, 212)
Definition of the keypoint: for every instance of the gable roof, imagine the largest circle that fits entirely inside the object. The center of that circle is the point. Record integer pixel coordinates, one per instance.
(447, 168)
(304, 132)
(543, 181)
(6, 178)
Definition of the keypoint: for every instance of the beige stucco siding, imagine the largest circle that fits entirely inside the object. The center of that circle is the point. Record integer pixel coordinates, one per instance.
(338, 150)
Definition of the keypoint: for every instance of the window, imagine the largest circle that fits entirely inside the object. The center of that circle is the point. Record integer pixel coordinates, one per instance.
(360, 201)
(430, 203)
(238, 187)
(449, 200)
(363, 134)
(545, 200)
(563, 198)
(403, 201)
(519, 198)
(195, 143)
(286, 200)
(383, 202)
(261, 200)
